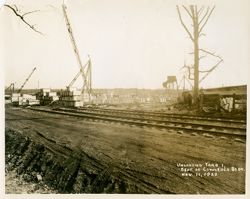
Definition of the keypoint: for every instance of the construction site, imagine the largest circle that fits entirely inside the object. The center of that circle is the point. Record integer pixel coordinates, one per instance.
(172, 140)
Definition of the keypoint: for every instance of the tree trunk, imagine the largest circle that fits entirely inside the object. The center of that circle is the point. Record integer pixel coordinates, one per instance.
(196, 72)
(196, 62)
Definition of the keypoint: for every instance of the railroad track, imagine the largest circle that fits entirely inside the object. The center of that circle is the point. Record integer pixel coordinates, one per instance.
(158, 117)
(161, 120)
(165, 115)
(179, 126)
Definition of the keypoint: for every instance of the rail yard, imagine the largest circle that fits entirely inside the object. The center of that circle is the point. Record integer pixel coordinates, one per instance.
(140, 144)
(108, 154)
(107, 150)
(171, 140)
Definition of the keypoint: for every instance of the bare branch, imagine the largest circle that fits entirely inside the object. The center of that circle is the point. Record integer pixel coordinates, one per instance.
(188, 80)
(15, 7)
(206, 20)
(204, 16)
(188, 12)
(202, 34)
(200, 11)
(30, 12)
(209, 71)
(206, 51)
(22, 17)
(212, 68)
(185, 27)
(210, 53)
(202, 57)
(189, 71)
(206, 71)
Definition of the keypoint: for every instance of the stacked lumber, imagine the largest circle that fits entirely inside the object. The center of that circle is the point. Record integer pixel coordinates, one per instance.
(15, 97)
(71, 97)
(24, 99)
(47, 96)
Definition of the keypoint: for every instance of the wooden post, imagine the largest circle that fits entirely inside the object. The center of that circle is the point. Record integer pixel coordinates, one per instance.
(234, 95)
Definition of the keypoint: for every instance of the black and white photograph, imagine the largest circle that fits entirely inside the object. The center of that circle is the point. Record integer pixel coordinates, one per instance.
(124, 97)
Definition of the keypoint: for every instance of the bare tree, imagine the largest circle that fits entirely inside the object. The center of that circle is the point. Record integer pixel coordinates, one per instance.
(199, 18)
(21, 16)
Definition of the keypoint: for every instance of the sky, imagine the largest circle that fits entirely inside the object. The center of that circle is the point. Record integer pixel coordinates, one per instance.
(132, 43)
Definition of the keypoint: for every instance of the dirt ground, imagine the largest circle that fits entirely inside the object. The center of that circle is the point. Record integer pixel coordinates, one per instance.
(142, 159)
(16, 184)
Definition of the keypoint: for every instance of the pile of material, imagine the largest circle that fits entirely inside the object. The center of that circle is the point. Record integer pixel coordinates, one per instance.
(7, 99)
(71, 98)
(29, 100)
(24, 99)
(15, 97)
(46, 96)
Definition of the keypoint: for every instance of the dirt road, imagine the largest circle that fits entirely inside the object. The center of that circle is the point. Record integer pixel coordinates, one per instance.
(109, 157)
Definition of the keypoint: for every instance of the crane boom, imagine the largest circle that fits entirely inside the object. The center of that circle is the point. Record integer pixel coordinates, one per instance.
(90, 76)
(86, 75)
(73, 40)
(77, 75)
(9, 87)
(75, 78)
(27, 80)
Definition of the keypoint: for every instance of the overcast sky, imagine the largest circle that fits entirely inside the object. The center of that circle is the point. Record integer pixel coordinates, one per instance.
(132, 43)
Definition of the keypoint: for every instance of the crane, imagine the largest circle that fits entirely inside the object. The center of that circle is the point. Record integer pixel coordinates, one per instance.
(85, 75)
(74, 80)
(11, 87)
(26, 80)
(77, 75)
